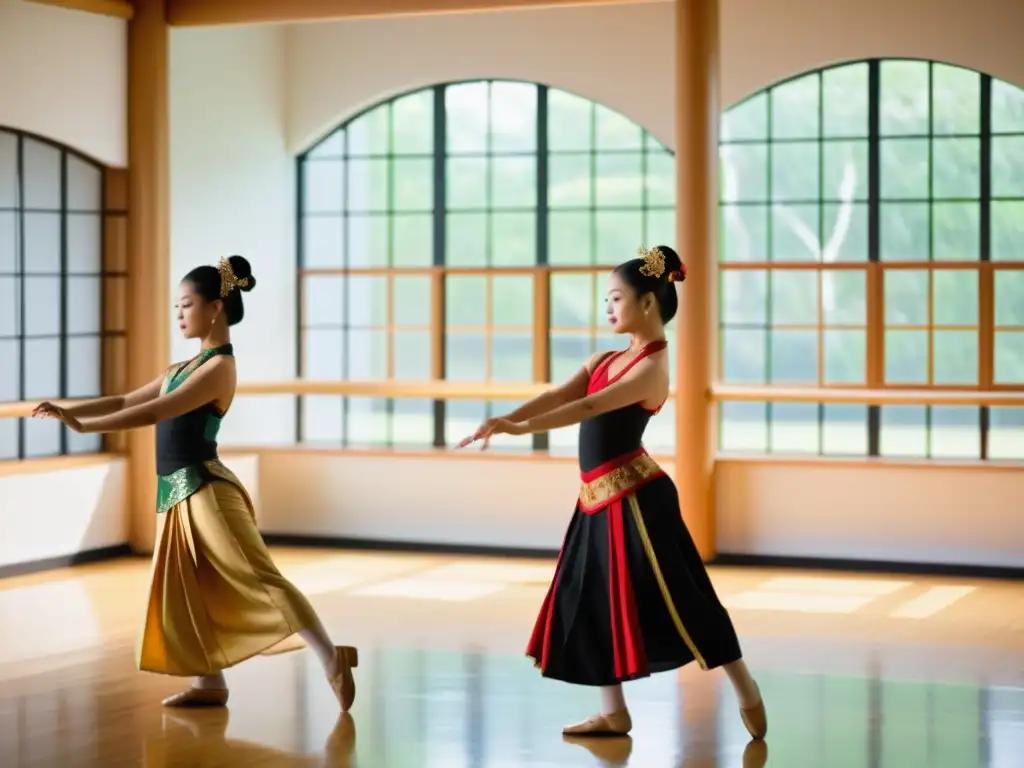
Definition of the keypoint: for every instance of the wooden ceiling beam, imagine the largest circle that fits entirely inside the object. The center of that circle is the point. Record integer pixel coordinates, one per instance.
(198, 13)
(120, 9)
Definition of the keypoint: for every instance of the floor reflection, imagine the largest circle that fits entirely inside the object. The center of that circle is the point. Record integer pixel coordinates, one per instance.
(430, 709)
(200, 737)
(441, 687)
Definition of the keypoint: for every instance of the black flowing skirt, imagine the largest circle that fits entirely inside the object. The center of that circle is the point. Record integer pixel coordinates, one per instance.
(630, 596)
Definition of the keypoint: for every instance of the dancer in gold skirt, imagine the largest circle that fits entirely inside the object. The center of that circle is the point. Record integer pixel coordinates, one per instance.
(216, 597)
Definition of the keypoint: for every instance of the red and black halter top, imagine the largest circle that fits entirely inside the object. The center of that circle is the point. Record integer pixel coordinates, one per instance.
(619, 432)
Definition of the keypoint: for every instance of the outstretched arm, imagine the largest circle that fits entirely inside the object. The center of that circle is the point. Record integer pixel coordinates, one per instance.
(567, 392)
(103, 405)
(643, 382)
(209, 383)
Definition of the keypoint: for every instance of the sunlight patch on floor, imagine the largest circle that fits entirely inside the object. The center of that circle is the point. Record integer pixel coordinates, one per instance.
(833, 586)
(802, 602)
(931, 602)
(341, 572)
(431, 589)
(507, 572)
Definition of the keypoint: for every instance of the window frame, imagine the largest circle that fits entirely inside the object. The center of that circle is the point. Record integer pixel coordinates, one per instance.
(106, 277)
(876, 269)
(540, 272)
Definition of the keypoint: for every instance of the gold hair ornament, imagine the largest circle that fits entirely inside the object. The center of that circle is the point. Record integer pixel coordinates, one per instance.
(654, 262)
(228, 281)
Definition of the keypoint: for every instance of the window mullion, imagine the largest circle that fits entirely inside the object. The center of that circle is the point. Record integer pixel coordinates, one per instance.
(986, 275)
(542, 275)
(438, 277)
(875, 275)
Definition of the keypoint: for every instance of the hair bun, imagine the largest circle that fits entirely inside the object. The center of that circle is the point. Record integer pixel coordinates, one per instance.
(675, 272)
(243, 271)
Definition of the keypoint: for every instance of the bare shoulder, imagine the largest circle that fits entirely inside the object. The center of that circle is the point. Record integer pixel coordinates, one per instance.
(223, 379)
(219, 372)
(660, 359)
(229, 366)
(220, 363)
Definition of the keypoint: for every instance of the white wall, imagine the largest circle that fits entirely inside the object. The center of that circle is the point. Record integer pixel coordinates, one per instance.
(483, 501)
(64, 77)
(53, 512)
(233, 191)
(623, 56)
(931, 513)
(924, 514)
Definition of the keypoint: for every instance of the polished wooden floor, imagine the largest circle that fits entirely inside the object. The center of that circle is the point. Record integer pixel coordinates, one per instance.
(858, 672)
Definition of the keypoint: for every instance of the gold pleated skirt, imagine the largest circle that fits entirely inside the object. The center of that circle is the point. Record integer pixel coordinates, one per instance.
(216, 598)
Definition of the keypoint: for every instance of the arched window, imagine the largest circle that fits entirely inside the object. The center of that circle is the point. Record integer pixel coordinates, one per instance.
(873, 237)
(463, 232)
(51, 268)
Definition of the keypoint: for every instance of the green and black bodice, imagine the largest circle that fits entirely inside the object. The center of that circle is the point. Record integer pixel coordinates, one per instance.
(186, 446)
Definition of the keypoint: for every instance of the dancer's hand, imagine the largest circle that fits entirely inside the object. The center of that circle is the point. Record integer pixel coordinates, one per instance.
(48, 410)
(490, 428)
(45, 410)
(483, 432)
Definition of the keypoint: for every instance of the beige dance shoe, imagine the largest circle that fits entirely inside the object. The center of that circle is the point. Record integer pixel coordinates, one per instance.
(343, 684)
(198, 697)
(614, 724)
(756, 719)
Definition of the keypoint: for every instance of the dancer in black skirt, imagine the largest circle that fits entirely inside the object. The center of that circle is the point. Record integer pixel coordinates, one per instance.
(630, 595)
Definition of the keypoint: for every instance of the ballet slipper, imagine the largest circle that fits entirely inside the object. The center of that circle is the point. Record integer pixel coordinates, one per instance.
(342, 683)
(613, 724)
(755, 718)
(198, 697)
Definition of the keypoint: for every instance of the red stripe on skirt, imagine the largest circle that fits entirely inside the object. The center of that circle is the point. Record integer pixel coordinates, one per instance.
(540, 638)
(627, 641)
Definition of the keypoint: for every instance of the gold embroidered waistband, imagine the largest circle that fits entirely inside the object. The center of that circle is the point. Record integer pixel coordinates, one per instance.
(600, 491)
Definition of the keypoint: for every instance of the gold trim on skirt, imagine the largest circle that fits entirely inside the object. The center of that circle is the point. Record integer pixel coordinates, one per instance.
(216, 598)
(666, 595)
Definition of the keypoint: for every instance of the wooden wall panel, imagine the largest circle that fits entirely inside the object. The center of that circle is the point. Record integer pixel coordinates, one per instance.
(697, 114)
(115, 291)
(148, 237)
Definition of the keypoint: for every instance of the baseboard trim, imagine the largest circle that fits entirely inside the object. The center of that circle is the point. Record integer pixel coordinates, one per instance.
(723, 559)
(414, 547)
(727, 559)
(66, 561)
